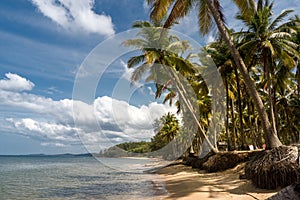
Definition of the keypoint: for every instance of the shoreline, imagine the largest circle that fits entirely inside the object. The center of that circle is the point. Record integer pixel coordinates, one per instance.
(184, 183)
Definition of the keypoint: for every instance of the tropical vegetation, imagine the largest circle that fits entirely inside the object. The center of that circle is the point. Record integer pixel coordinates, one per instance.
(166, 129)
(259, 66)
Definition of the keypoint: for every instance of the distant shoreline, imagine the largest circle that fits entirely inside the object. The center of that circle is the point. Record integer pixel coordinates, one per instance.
(50, 155)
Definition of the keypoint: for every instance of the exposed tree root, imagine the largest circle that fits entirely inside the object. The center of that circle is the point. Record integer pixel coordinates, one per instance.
(275, 168)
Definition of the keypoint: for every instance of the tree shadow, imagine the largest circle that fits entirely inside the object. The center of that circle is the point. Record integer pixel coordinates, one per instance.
(209, 185)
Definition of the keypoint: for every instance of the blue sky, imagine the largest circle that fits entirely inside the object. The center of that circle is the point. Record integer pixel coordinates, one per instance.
(43, 45)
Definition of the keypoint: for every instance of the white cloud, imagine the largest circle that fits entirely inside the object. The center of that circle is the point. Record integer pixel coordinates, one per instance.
(188, 25)
(103, 123)
(53, 144)
(210, 38)
(14, 82)
(76, 15)
(127, 73)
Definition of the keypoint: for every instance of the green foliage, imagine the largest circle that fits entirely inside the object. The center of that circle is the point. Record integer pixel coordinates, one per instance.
(166, 128)
(135, 147)
(269, 48)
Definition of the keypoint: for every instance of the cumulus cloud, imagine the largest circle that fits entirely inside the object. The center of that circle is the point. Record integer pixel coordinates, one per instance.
(100, 124)
(14, 82)
(45, 130)
(127, 71)
(76, 15)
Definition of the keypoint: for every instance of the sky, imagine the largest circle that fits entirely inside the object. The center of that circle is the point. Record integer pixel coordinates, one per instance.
(44, 46)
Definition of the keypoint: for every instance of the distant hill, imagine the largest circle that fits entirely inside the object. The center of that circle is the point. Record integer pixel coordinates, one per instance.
(126, 149)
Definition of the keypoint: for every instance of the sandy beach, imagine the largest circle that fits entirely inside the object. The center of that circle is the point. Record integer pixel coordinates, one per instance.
(185, 183)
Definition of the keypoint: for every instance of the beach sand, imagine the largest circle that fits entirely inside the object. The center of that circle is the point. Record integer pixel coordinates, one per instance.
(185, 183)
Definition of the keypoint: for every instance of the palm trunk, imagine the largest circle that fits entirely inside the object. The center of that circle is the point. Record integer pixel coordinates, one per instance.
(270, 137)
(298, 79)
(183, 96)
(233, 125)
(227, 114)
(269, 74)
(240, 108)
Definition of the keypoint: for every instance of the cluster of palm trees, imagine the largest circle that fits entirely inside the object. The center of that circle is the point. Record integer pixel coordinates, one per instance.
(166, 128)
(270, 50)
(259, 66)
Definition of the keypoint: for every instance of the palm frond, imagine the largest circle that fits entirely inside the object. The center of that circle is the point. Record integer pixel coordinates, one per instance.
(280, 35)
(259, 5)
(280, 18)
(138, 73)
(286, 59)
(159, 9)
(246, 8)
(179, 10)
(178, 47)
(267, 44)
(141, 24)
(169, 97)
(135, 60)
(181, 65)
(204, 18)
(135, 43)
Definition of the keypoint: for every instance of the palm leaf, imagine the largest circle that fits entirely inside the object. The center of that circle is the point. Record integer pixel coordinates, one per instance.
(138, 73)
(179, 10)
(267, 44)
(246, 8)
(204, 18)
(169, 97)
(135, 60)
(181, 65)
(141, 24)
(159, 9)
(280, 35)
(135, 43)
(177, 47)
(280, 18)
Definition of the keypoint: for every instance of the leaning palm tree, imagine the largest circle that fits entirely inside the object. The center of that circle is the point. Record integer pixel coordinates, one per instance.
(224, 61)
(209, 12)
(162, 61)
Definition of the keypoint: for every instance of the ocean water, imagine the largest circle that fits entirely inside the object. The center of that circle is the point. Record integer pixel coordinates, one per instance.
(74, 177)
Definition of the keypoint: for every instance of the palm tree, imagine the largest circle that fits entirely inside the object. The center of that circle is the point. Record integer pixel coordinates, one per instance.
(159, 49)
(209, 10)
(270, 42)
(223, 59)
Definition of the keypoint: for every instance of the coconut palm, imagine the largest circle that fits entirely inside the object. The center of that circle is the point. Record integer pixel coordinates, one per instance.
(270, 42)
(223, 59)
(162, 62)
(209, 10)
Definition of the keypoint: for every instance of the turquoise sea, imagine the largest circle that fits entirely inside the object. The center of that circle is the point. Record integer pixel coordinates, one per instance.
(77, 177)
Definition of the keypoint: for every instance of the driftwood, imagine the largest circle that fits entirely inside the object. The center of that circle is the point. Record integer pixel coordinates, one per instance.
(275, 168)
